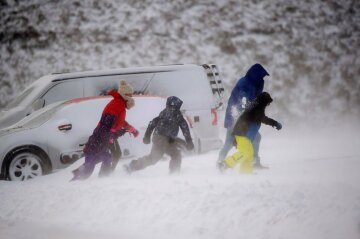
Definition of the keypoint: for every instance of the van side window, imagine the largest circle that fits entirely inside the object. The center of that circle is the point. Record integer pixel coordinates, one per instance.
(102, 84)
(191, 86)
(63, 91)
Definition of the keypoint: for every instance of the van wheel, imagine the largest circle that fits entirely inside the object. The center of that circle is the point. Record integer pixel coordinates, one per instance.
(25, 165)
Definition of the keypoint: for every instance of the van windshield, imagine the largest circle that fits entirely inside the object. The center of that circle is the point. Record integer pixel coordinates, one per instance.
(19, 99)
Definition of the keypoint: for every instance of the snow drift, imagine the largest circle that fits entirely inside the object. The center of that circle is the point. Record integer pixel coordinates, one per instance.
(310, 191)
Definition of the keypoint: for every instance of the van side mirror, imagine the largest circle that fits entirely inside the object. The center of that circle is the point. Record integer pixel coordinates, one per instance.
(38, 104)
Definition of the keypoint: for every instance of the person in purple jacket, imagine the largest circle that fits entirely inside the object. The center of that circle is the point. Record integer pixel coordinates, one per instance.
(246, 90)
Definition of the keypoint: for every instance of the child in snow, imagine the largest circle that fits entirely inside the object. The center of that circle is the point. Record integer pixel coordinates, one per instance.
(245, 129)
(166, 128)
(111, 126)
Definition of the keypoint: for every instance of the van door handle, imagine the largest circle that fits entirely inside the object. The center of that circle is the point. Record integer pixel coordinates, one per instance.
(65, 127)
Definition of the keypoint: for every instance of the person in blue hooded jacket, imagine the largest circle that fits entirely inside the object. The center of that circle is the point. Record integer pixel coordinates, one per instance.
(245, 91)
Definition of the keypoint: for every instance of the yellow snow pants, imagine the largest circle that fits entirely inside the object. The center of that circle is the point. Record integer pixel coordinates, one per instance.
(243, 156)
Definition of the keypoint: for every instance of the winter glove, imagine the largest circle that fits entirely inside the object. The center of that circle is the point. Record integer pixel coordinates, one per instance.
(146, 140)
(189, 145)
(278, 126)
(120, 132)
(133, 131)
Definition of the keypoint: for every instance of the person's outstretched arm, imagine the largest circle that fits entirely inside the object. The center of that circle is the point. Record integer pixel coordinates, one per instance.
(269, 121)
(152, 124)
(186, 131)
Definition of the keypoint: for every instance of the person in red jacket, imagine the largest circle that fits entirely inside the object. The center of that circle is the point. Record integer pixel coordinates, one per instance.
(112, 125)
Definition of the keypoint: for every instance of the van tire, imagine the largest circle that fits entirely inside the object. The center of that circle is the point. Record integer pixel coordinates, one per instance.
(26, 163)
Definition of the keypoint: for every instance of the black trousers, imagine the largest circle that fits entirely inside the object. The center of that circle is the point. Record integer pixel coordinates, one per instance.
(161, 145)
(116, 153)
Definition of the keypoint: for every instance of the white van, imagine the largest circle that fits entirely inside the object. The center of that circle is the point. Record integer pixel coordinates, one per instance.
(199, 87)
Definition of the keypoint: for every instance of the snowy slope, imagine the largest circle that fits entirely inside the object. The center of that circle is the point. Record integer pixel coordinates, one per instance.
(310, 191)
(311, 48)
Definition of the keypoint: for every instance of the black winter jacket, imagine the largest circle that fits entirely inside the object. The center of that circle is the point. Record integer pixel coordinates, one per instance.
(249, 122)
(169, 120)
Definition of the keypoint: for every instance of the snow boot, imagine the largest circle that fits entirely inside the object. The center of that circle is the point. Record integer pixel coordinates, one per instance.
(257, 164)
(127, 169)
(105, 171)
(221, 165)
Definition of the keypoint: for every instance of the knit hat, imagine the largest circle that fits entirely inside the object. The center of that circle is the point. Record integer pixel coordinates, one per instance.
(126, 91)
(125, 88)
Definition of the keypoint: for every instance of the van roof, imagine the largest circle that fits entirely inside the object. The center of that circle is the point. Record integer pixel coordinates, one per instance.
(120, 71)
(99, 97)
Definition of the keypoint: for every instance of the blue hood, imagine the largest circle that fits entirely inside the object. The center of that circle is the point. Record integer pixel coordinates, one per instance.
(256, 73)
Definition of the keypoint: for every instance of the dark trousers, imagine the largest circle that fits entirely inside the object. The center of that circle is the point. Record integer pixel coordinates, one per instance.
(161, 146)
(116, 153)
(85, 170)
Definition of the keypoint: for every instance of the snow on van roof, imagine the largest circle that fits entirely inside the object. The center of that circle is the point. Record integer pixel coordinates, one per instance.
(82, 99)
(121, 71)
(78, 100)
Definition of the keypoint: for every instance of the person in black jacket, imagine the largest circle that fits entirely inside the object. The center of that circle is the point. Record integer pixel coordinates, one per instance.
(166, 128)
(245, 130)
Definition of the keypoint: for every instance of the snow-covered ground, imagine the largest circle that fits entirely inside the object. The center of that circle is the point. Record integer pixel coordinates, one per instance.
(312, 190)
